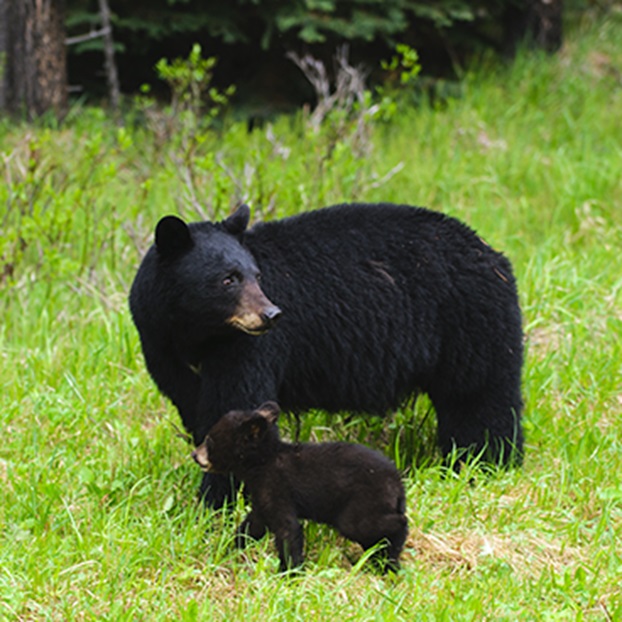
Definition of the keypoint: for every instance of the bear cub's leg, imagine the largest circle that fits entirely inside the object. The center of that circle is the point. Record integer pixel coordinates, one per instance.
(288, 536)
(289, 541)
(394, 529)
(389, 529)
(252, 527)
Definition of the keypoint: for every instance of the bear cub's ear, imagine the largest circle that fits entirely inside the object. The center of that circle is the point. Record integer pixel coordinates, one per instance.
(172, 236)
(269, 411)
(260, 420)
(238, 221)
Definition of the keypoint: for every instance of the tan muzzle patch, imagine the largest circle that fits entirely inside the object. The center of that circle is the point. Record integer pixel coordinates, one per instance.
(255, 314)
(250, 323)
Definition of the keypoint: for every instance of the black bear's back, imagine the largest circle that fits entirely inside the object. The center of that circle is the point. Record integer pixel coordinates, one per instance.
(372, 295)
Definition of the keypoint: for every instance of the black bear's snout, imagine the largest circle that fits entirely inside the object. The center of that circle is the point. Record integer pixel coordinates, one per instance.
(255, 313)
(271, 315)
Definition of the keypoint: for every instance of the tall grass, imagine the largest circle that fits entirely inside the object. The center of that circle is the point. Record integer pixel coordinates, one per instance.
(98, 516)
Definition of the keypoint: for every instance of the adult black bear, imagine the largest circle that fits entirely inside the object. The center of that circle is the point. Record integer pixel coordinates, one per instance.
(377, 302)
(348, 486)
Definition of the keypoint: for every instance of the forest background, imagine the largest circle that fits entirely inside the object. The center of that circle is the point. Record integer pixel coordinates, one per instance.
(52, 51)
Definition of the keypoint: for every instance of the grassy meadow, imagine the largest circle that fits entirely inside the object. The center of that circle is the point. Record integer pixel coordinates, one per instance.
(98, 513)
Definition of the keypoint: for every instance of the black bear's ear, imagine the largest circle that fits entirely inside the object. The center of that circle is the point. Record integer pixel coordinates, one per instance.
(269, 411)
(172, 236)
(238, 221)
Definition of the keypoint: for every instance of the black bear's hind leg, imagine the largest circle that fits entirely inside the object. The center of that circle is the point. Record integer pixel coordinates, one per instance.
(216, 491)
(487, 427)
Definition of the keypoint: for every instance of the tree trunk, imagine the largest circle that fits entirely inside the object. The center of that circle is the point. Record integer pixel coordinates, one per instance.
(111, 67)
(4, 46)
(36, 67)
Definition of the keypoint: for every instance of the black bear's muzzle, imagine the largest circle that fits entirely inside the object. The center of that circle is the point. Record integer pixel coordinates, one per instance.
(256, 323)
(255, 313)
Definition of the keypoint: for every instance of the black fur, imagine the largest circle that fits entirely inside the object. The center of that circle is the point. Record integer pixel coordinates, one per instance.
(348, 486)
(378, 302)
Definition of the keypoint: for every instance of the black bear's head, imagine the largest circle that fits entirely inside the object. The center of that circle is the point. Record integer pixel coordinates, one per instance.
(240, 440)
(212, 278)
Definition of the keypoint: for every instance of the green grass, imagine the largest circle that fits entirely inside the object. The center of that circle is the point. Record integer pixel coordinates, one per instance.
(98, 518)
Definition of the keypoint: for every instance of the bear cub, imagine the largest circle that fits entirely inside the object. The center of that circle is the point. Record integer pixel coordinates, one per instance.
(351, 487)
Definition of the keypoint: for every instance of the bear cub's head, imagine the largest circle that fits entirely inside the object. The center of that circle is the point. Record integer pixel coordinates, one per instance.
(213, 279)
(240, 440)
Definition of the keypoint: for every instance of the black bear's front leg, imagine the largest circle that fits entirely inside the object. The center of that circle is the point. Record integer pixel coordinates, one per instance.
(185, 388)
(252, 527)
(252, 385)
(176, 380)
(216, 491)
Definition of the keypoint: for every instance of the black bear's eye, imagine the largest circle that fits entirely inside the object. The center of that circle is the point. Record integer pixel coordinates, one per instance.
(230, 279)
